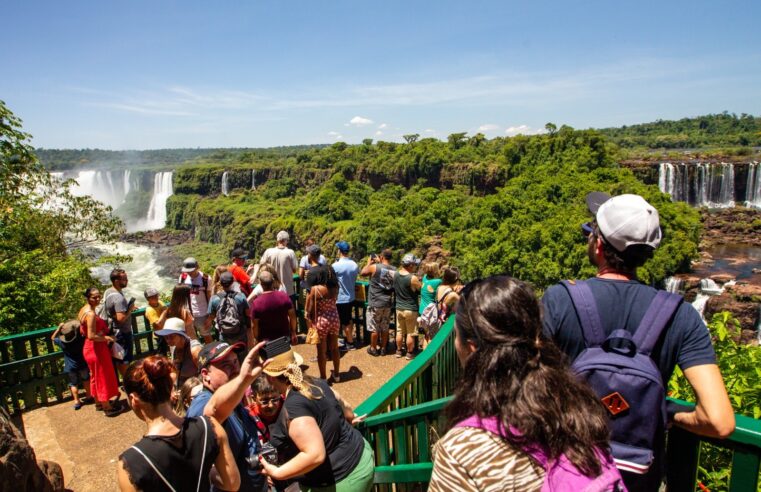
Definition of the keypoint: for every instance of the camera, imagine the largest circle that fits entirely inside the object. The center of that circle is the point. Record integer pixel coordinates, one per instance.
(275, 347)
(268, 452)
(374, 258)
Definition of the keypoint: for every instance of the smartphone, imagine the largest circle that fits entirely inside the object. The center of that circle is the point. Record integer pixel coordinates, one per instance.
(275, 347)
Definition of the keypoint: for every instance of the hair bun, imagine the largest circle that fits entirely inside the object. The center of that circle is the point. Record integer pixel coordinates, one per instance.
(157, 368)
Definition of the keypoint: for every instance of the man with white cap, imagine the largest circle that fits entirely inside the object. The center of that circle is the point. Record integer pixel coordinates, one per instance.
(623, 236)
(183, 351)
(284, 260)
(200, 293)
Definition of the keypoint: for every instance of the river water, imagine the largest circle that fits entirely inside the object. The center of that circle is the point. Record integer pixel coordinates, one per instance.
(142, 271)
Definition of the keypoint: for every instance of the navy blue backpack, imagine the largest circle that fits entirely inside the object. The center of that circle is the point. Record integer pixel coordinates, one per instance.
(621, 372)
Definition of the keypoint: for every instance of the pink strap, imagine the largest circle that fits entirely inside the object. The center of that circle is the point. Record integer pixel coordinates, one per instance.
(491, 424)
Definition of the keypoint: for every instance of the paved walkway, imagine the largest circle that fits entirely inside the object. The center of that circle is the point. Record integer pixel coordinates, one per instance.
(87, 444)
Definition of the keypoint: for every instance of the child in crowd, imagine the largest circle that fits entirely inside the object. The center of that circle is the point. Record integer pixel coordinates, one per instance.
(189, 389)
(153, 314)
(67, 337)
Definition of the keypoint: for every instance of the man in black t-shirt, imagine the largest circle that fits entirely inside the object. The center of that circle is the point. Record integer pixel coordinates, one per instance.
(623, 236)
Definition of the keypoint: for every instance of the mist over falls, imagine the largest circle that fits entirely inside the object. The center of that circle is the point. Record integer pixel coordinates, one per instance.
(137, 197)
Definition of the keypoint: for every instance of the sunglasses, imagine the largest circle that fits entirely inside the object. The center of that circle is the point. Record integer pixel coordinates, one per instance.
(587, 228)
(270, 401)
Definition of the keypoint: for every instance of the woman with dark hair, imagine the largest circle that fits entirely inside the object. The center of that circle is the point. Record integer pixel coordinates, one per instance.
(517, 385)
(315, 429)
(97, 354)
(321, 310)
(179, 307)
(175, 453)
(447, 295)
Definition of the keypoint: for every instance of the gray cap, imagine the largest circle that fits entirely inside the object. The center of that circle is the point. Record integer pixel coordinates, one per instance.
(189, 265)
(410, 259)
(283, 236)
(226, 279)
(626, 220)
(150, 292)
(314, 250)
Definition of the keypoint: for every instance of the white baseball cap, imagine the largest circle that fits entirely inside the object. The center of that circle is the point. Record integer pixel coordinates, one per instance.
(172, 326)
(626, 220)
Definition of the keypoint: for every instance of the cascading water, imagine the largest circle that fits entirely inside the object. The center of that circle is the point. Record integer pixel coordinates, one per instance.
(674, 284)
(253, 179)
(753, 186)
(701, 185)
(109, 187)
(708, 289)
(162, 190)
(225, 189)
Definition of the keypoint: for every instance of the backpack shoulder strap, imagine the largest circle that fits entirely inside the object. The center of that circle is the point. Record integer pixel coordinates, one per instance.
(446, 293)
(657, 316)
(586, 308)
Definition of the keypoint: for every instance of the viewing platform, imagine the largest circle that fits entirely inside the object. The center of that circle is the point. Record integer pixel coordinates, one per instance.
(403, 401)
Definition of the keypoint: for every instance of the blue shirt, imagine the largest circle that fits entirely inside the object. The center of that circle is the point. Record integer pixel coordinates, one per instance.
(73, 360)
(244, 441)
(346, 271)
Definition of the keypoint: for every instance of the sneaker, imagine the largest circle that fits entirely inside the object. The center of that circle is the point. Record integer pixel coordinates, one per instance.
(350, 346)
(77, 405)
(342, 348)
(398, 354)
(383, 351)
(410, 357)
(373, 351)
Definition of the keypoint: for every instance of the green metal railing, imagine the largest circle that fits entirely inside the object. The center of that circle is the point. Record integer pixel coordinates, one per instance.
(406, 418)
(31, 370)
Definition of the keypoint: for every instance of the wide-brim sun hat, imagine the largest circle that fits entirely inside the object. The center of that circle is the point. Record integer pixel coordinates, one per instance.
(280, 363)
(172, 326)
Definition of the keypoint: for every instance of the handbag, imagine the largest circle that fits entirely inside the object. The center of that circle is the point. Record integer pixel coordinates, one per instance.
(117, 351)
(313, 337)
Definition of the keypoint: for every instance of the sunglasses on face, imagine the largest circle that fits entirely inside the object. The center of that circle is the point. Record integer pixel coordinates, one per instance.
(95, 297)
(587, 228)
(270, 401)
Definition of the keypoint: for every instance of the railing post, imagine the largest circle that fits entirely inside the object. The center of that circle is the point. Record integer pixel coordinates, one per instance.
(745, 468)
(682, 454)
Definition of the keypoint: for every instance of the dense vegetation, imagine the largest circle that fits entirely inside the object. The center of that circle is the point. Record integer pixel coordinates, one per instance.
(716, 130)
(57, 159)
(502, 205)
(41, 283)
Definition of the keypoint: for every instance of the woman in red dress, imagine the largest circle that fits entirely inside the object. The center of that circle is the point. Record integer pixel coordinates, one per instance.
(97, 354)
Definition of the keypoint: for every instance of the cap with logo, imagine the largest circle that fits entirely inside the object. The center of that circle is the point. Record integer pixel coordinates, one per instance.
(625, 220)
(216, 351)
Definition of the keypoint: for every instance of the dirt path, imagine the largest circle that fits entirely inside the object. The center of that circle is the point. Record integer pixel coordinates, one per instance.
(87, 444)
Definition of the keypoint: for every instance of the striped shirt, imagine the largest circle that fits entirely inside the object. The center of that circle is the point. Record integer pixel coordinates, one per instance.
(470, 459)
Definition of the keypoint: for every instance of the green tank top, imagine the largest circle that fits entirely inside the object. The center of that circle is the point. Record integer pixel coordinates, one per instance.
(406, 298)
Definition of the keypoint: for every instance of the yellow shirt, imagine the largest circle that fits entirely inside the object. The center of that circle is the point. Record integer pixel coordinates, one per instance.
(153, 314)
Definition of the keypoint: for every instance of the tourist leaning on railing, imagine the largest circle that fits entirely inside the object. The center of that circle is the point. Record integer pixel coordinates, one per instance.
(176, 453)
(517, 405)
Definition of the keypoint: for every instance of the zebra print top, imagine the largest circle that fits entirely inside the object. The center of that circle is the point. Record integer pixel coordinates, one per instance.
(470, 459)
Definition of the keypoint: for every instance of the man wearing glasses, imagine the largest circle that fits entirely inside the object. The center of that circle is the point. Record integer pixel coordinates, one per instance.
(623, 236)
(225, 381)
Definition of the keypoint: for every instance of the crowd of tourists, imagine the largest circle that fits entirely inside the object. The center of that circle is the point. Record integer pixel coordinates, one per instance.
(558, 394)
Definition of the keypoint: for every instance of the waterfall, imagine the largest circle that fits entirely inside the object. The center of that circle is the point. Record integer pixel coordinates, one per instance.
(253, 179)
(162, 190)
(126, 184)
(708, 289)
(753, 186)
(225, 190)
(701, 185)
(674, 284)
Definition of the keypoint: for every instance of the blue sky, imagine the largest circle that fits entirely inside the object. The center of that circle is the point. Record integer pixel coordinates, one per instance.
(142, 75)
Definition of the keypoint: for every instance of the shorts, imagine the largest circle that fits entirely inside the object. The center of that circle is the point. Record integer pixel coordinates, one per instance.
(199, 323)
(406, 323)
(378, 319)
(126, 340)
(77, 377)
(345, 313)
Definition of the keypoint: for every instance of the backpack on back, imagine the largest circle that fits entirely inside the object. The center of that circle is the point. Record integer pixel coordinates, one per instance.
(621, 372)
(561, 474)
(229, 318)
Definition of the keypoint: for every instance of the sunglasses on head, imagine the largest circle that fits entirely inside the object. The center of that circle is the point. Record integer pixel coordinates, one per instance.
(587, 228)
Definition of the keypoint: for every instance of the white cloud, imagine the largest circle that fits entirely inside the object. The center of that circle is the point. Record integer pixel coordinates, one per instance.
(360, 121)
(523, 130)
(488, 127)
(378, 133)
(382, 126)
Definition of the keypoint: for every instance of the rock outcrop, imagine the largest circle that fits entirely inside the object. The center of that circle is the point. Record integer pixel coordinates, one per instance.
(20, 471)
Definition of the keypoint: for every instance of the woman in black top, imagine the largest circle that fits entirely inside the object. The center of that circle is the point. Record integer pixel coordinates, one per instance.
(314, 427)
(175, 454)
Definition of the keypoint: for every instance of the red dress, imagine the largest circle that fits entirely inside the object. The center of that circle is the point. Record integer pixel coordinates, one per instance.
(103, 383)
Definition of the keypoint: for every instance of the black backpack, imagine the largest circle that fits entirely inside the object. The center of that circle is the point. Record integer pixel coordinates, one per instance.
(230, 318)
